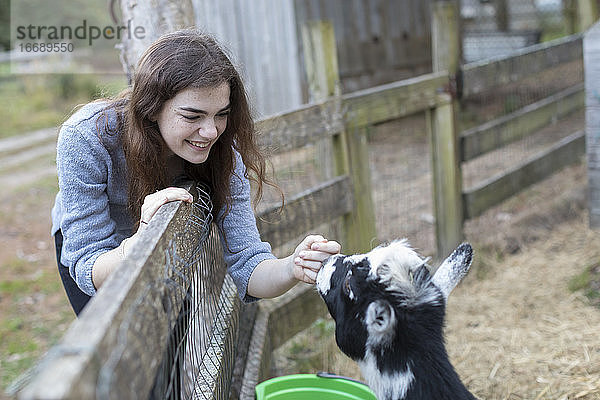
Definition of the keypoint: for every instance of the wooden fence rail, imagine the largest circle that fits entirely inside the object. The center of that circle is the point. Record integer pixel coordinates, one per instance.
(484, 75)
(114, 349)
(74, 369)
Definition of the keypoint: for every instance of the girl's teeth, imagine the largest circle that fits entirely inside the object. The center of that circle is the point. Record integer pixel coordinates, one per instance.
(199, 144)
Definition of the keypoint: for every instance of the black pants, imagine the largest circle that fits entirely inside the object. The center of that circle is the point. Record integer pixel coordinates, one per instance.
(77, 298)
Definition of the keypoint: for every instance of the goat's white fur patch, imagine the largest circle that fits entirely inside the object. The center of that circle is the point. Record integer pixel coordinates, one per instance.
(380, 320)
(451, 272)
(401, 260)
(392, 386)
(324, 276)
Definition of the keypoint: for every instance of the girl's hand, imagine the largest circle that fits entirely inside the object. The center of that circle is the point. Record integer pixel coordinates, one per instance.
(154, 201)
(309, 256)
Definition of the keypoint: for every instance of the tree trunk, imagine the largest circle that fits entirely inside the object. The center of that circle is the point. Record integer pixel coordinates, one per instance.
(146, 20)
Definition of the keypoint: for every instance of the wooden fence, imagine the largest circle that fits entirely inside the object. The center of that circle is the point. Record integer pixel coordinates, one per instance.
(74, 368)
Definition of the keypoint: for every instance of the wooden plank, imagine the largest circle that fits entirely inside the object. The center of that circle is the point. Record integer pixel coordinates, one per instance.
(321, 67)
(394, 100)
(498, 188)
(277, 321)
(445, 36)
(446, 176)
(303, 126)
(351, 154)
(516, 125)
(293, 313)
(591, 45)
(320, 204)
(310, 123)
(486, 75)
(114, 348)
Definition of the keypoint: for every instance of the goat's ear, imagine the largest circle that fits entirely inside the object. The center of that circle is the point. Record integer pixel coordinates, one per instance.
(380, 318)
(453, 269)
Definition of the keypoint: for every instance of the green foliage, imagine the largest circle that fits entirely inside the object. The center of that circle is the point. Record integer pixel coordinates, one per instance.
(310, 351)
(581, 281)
(4, 25)
(30, 102)
(511, 103)
(588, 282)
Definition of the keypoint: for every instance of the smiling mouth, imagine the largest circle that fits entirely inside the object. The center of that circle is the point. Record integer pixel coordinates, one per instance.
(198, 145)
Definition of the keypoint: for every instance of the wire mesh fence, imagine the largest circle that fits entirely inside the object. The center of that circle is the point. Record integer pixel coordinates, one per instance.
(400, 162)
(165, 325)
(498, 28)
(200, 355)
(503, 100)
(294, 172)
(202, 304)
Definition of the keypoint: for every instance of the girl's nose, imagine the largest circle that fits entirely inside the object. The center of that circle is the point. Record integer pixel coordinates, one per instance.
(209, 130)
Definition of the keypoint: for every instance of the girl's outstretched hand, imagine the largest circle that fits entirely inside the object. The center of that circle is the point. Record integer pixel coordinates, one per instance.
(309, 256)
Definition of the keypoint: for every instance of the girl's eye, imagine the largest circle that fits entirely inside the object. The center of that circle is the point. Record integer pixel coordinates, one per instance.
(223, 114)
(190, 118)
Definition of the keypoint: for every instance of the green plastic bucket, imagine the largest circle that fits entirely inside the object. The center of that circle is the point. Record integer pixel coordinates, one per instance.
(311, 387)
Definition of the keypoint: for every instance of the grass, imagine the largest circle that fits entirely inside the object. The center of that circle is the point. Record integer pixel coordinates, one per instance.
(310, 351)
(30, 102)
(588, 282)
(34, 311)
(26, 334)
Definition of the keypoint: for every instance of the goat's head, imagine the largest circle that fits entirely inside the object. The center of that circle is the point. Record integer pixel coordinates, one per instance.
(378, 298)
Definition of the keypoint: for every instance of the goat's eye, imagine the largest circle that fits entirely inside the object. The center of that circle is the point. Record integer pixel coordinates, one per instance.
(346, 286)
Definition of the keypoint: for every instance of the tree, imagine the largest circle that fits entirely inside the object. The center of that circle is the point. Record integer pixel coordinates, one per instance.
(147, 20)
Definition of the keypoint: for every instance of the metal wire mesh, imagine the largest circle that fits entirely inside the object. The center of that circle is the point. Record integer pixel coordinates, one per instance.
(498, 28)
(506, 99)
(400, 163)
(201, 304)
(294, 172)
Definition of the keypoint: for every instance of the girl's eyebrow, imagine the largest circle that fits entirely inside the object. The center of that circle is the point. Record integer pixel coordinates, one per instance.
(197, 111)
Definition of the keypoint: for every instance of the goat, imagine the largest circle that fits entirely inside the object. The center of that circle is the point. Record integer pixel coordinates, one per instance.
(389, 315)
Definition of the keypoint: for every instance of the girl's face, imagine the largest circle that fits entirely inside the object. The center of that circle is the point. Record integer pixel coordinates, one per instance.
(192, 121)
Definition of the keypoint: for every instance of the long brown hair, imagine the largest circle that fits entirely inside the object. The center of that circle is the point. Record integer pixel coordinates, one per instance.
(177, 61)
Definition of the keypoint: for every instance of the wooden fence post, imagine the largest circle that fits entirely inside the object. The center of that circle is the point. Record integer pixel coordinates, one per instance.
(446, 175)
(445, 156)
(446, 44)
(587, 14)
(591, 55)
(569, 13)
(359, 226)
(320, 61)
(350, 147)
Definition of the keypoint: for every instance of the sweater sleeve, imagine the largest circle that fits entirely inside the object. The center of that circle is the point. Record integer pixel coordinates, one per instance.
(242, 247)
(88, 230)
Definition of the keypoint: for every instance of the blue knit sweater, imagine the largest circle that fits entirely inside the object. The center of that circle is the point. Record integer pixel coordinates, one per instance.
(91, 205)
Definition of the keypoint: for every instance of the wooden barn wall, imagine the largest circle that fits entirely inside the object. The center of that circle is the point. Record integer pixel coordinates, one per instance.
(261, 36)
(378, 41)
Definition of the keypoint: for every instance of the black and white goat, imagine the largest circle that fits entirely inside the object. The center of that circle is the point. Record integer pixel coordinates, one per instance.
(389, 314)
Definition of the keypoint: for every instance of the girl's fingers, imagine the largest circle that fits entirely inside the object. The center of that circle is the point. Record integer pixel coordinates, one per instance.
(313, 265)
(310, 240)
(154, 201)
(311, 275)
(305, 274)
(331, 247)
(314, 255)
